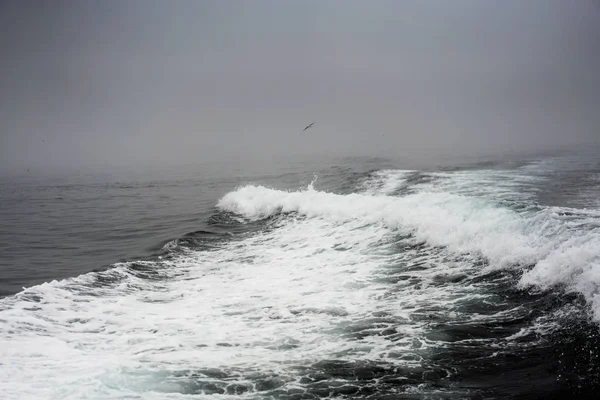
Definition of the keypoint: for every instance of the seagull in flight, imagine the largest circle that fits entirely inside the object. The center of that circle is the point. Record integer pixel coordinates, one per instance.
(308, 126)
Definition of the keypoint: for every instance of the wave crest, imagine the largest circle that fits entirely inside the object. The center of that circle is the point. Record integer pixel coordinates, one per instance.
(551, 250)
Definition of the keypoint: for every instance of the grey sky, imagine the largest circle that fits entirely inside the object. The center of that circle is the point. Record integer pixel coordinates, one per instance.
(137, 82)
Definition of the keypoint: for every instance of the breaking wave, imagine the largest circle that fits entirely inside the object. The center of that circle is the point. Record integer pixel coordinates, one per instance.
(415, 284)
(548, 244)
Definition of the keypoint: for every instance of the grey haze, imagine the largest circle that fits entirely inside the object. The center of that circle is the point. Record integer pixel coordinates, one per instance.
(97, 84)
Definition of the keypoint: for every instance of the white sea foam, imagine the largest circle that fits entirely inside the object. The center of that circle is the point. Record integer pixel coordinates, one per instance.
(495, 185)
(385, 182)
(310, 290)
(441, 219)
(561, 251)
(328, 282)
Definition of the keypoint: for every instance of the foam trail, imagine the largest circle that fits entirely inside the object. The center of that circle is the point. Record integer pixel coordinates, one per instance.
(539, 238)
(438, 218)
(218, 322)
(385, 182)
(342, 277)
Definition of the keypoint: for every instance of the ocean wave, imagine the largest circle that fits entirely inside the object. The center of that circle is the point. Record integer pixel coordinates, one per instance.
(308, 293)
(550, 250)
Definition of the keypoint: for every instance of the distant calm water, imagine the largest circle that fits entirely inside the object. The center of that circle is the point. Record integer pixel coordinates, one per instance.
(316, 279)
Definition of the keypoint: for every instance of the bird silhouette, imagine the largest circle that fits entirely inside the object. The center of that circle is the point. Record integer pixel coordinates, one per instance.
(308, 126)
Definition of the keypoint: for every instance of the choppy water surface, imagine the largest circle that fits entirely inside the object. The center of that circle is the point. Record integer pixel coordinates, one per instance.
(349, 279)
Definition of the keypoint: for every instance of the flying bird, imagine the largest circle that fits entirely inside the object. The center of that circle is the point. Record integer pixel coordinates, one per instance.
(308, 126)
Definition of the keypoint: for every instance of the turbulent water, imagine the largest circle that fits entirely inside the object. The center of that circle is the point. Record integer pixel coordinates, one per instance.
(353, 279)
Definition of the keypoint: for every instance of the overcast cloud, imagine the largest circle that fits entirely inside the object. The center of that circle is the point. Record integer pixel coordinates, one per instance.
(102, 83)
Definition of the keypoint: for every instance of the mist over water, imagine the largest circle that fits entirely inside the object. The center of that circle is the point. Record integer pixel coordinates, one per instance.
(90, 86)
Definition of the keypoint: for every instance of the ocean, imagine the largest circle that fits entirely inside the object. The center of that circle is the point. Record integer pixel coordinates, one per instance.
(320, 278)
